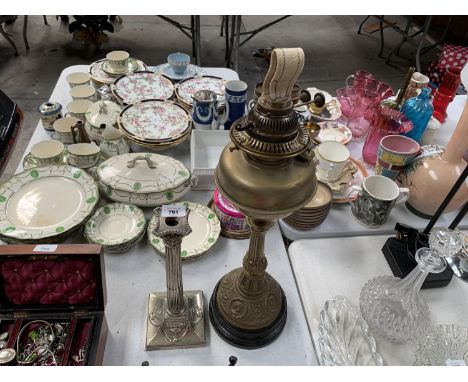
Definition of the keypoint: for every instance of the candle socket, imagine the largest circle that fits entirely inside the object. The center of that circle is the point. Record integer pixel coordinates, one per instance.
(175, 318)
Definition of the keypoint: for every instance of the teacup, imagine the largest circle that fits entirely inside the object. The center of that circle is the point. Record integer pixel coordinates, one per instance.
(118, 60)
(236, 99)
(78, 108)
(48, 152)
(78, 78)
(63, 131)
(83, 155)
(395, 152)
(372, 202)
(179, 62)
(332, 157)
(85, 92)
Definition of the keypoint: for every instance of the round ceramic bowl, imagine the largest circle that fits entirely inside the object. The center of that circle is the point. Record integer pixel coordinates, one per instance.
(48, 152)
(83, 92)
(83, 155)
(78, 78)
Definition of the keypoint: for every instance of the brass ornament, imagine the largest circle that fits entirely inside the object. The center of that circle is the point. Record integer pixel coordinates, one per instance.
(268, 172)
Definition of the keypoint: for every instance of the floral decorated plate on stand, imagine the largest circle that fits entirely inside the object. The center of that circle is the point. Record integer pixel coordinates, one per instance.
(331, 112)
(141, 86)
(154, 121)
(46, 204)
(100, 77)
(353, 173)
(187, 88)
(166, 69)
(205, 232)
(333, 131)
(116, 226)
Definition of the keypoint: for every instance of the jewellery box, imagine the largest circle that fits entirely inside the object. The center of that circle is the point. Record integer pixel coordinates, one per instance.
(52, 297)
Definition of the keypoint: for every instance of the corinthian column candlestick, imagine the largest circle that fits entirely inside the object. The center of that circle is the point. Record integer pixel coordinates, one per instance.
(175, 317)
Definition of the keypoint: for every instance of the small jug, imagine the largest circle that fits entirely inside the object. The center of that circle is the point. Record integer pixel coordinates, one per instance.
(205, 112)
(113, 143)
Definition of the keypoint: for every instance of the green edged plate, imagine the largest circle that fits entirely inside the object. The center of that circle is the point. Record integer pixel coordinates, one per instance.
(115, 224)
(44, 202)
(205, 232)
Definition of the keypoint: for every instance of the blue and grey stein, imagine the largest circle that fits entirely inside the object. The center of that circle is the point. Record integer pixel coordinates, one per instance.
(205, 110)
(236, 99)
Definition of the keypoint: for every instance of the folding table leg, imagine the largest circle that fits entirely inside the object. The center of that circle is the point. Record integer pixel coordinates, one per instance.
(25, 37)
(2, 32)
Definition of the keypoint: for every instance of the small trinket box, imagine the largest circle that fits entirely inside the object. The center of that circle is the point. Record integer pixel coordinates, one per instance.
(52, 300)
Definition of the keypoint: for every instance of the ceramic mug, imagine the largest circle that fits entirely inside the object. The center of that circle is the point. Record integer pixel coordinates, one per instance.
(178, 62)
(236, 99)
(118, 60)
(332, 160)
(417, 82)
(205, 110)
(48, 152)
(395, 152)
(85, 92)
(83, 155)
(372, 202)
(78, 108)
(78, 78)
(63, 129)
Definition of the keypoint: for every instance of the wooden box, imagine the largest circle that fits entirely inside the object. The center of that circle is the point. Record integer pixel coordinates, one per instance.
(56, 284)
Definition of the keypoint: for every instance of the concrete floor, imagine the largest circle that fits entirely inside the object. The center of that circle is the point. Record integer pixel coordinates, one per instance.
(332, 48)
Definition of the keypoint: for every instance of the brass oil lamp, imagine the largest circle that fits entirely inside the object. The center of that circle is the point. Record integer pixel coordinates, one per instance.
(268, 172)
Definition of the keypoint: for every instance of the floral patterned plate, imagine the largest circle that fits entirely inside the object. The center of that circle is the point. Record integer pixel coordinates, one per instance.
(205, 231)
(100, 77)
(115, 224)
(334, 131)
(154, 121)
(141, 86)
(45, 202)
(166, 69)
(187, 88)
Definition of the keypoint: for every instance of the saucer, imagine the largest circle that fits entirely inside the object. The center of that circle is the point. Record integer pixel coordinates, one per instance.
(335, 132)
(353, 173)
(166, 69)
(133, 65)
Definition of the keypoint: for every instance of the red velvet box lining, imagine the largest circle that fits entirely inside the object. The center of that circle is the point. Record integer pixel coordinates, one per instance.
(48, 281)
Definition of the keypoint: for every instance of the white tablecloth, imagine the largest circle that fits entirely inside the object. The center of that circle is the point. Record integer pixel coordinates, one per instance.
(133, 275)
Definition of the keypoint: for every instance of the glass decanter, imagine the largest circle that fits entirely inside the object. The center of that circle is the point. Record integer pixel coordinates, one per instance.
(393, 307)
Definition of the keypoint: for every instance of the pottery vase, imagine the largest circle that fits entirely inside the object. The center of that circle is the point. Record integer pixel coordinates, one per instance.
(434, 172)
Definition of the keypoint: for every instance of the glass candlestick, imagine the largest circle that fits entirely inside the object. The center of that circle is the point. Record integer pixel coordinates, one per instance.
(393, 307)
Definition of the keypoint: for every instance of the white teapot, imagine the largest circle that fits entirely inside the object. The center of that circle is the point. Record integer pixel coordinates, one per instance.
(113, 142)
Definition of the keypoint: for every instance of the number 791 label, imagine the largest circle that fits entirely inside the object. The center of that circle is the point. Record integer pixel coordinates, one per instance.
(173, 210)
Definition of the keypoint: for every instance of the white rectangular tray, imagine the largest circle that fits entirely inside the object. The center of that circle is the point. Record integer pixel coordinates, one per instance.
(205, 149)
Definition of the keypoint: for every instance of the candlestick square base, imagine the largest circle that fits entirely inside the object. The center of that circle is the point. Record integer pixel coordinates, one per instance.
(165, 330)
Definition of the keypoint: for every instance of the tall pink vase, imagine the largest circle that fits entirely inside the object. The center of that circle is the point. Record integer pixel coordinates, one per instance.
(433, 173)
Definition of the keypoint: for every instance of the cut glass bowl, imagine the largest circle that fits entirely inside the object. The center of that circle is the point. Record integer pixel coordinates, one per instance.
(343, 336)
(441, 344)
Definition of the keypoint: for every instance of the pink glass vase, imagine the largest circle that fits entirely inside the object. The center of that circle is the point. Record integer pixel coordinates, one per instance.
(383, 121)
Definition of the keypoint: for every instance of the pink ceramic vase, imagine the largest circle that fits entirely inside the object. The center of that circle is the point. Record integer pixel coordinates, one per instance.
(433, 173)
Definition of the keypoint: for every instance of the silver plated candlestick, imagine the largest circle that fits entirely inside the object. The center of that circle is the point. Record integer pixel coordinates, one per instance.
(175, 318)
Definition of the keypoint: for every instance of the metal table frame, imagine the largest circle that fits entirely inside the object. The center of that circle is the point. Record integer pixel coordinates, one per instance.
(411, 38)
(192, 32)
(233, 42)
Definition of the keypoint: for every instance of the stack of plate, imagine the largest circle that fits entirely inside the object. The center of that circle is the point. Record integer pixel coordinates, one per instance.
(205, 232)
(187, 88)
(315, 212)
(155, 124)
(99, 77)
(143, 85)
(46, 204)
(116, 226)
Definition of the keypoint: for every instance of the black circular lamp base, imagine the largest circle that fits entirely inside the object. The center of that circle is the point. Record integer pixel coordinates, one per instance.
(246, 339)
